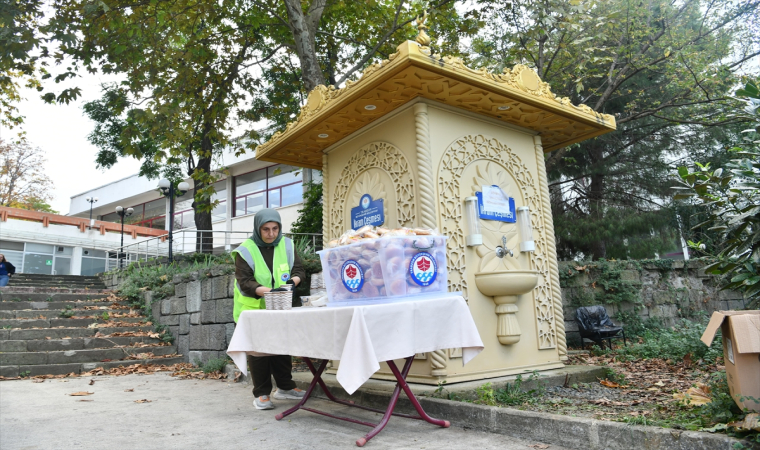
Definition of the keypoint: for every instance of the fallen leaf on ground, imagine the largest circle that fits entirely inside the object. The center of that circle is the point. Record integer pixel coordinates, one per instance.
(608, 383)
(238, 377)
(541, 446)
(145, 400)
(694, 396)
(659, 383)
(750, 423)
(129, 390)
(38, 381)
(92, 382)
(81, 393)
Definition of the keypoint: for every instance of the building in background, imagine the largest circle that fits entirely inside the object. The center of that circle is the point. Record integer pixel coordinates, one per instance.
(51, 244)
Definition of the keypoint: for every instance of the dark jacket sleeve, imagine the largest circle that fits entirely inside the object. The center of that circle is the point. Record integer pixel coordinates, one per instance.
(10, 268)
(244, 277)
(298, 270)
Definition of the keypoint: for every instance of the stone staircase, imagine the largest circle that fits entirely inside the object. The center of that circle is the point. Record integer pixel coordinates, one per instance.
(66, 324)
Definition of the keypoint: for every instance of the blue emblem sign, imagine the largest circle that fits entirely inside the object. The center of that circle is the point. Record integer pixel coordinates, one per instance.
(502, 209)
(369, 212)
(423, 268)
(352, 276)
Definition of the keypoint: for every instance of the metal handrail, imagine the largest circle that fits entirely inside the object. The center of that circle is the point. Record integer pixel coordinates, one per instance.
(190, 241)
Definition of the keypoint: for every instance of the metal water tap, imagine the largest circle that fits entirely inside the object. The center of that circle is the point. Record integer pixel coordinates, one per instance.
(502, 251)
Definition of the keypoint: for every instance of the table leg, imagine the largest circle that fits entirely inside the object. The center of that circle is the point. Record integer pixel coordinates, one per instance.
(317, 378)
(401, 384)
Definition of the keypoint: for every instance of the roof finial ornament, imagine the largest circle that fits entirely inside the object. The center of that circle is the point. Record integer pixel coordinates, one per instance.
(422, 38)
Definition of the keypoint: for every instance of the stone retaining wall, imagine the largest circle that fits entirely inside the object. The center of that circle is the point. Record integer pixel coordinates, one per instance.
(198, 305)
(197, 311)
(662, 290)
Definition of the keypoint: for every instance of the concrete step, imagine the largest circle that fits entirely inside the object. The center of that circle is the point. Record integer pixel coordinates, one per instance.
(77, 368)
(56, 313)
(63, 322)
(61, 333)
(74, 304)
(20, 290)
(54, 345)
(51, 297)
(78, 356)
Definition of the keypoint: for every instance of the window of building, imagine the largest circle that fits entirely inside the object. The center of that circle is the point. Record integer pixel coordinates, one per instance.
(38, 258)
(184, 216)
(151, 214)
(271, 187)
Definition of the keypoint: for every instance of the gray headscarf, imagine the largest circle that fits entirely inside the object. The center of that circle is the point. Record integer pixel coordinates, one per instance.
(262, 217)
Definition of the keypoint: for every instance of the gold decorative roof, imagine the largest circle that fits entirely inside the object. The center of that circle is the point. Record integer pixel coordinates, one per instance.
(516, 96)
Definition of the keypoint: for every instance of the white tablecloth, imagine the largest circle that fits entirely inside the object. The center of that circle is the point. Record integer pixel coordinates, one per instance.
(359, 336)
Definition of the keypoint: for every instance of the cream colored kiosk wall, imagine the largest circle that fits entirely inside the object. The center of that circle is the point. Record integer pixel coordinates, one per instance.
(423, 160)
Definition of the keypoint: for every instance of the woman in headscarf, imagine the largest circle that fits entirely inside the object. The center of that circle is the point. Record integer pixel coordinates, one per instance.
(266, 261)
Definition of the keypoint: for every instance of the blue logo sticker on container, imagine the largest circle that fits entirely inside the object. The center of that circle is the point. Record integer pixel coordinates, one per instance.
(423, 268)
(285, 276)
(352, 275)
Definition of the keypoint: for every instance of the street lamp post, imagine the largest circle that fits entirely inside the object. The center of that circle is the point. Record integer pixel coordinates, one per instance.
(168, 190)
(91, 200)
(123, 213)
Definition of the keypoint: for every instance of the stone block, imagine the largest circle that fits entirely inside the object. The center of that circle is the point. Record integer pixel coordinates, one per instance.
(231, 287)
(184, 324)
(733, 305)
(177, 279)
(730, 295)
(630, 275)
(571, 326)
(22, 358)
(664, 311)
(208, 312)
(581, 279)
(197, 337)
(156, 310)
(183, 345)
(178, 305)
(13, 346)
(229, 331)
(169, 320)
(206, 289)
(180, 290)
(224, 310)
(166, 307)
(193, 298)
(217, 337)
(219, 286)
(662, 297)
(202, 357)
(148, 298)
(195, 318)
(174, 330)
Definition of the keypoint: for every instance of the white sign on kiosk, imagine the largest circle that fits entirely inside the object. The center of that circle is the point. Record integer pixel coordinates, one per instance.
(494, 204)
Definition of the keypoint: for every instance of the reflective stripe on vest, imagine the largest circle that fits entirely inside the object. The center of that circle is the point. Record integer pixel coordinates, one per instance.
(282, 265)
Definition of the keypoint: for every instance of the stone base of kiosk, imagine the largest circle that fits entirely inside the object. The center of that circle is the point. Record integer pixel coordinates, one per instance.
(376, 389)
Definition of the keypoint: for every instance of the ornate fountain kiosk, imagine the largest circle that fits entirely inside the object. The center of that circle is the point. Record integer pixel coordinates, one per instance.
(426, 134)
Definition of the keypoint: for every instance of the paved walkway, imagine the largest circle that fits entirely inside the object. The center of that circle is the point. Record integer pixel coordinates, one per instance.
(190, 414)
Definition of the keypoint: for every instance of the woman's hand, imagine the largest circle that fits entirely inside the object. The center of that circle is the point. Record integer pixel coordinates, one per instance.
(261, 290)
(295, 281)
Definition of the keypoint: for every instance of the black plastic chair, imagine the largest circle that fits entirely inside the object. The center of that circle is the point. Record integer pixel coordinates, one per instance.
(596, 325)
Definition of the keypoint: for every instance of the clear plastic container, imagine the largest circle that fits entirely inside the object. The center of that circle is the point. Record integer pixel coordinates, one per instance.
(386, 268)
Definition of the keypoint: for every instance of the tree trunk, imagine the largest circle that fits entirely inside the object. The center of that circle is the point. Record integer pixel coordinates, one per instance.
(204, 242)
(304, 27)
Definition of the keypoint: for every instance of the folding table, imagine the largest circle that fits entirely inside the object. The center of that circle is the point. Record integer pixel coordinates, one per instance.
(360, 337)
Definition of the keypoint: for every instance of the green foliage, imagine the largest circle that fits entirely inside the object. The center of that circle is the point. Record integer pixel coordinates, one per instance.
(606, 284)
(212, 365)
(674, 344)
(660, 67)
(731, 199)
(24, 374)
(486, 394)
(67, 313)
(614, 376)
(310, 216)
(105, 316)
(513, 394)
(165, 335)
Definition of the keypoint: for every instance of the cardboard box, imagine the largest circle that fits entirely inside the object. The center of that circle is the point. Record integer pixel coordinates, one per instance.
(741, 352)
